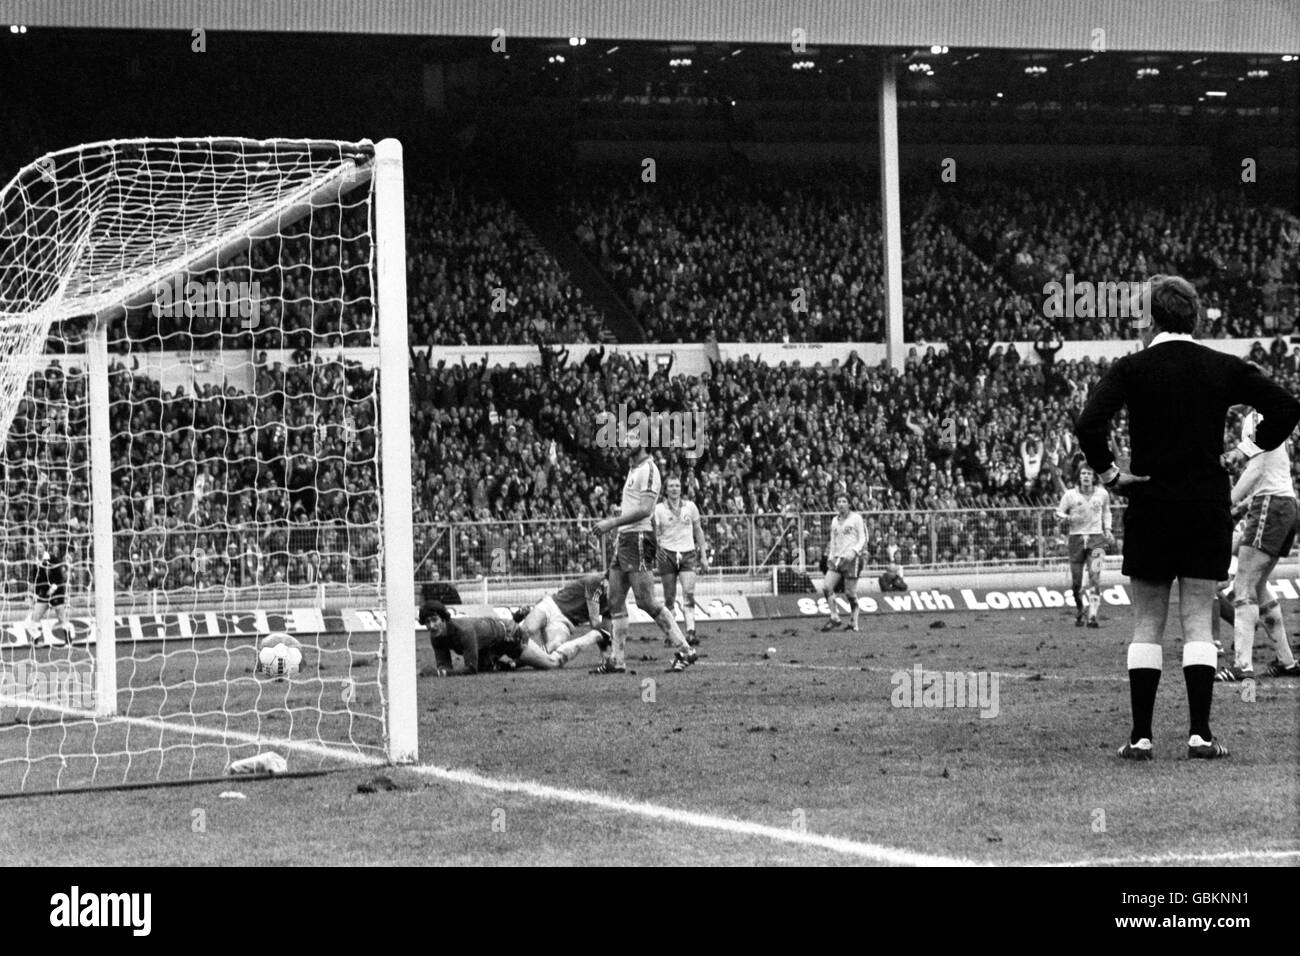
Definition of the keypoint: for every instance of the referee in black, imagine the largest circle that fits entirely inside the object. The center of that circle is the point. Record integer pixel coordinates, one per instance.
(1177, 522)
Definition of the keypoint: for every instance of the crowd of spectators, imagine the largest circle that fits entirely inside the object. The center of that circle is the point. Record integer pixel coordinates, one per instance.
(476, 276)
(955, 460)
(275, 483)
(1242, 256)
(773, 254)
(760, 254)
(506, 457)
(218, 487)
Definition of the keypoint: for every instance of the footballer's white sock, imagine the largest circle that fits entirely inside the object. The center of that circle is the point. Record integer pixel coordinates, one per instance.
(1243, 632)
(688, 611)
(1094, 601)
(573, 647)
(618, 632)
(1271, 615)
(830, 603)
(668, 624)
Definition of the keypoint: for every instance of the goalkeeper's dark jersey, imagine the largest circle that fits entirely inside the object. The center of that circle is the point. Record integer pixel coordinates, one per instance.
(49, 580)
(480, 640)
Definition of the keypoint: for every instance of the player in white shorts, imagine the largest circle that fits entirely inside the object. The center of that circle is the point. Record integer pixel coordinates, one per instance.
(1265, 491)
(682, 551)
(1085, 513)
(580, 607)
(843, 560)
(634, 557)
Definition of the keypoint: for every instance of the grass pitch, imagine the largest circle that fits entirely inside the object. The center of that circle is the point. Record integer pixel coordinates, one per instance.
(809, 742)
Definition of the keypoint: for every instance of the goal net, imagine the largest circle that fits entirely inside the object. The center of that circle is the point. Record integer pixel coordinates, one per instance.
(205, 482)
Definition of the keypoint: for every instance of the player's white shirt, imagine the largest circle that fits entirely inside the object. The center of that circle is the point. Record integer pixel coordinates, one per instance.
(675, 530)
(1087, 514)
(642, 481)
(1268, 473)
(848, 536)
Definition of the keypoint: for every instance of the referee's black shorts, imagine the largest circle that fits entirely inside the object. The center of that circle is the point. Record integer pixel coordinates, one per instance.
(1164, 540)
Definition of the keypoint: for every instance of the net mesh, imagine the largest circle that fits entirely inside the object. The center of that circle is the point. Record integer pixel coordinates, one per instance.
(236, 279)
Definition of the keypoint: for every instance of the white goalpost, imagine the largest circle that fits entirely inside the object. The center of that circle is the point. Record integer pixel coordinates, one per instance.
(205, 498)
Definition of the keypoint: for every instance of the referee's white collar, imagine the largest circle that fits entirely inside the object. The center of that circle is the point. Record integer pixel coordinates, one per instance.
(1171, 337)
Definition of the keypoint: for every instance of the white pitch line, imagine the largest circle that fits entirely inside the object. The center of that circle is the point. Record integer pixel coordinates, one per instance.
(170, 726)
(705, 821)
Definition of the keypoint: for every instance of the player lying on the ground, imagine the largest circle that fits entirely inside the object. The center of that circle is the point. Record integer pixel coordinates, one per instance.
(1266, 490)
(682, 550)
(633, 565)
(574, 609)
(49, 592)
(843, 561)
(1085, 513)
(481, 641)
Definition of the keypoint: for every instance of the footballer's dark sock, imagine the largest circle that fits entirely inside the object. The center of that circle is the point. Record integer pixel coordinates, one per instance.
(1078, 602)
(1199, 658)
(1144, 664)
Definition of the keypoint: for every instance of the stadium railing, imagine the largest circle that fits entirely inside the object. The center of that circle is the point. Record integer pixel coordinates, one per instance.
(748, 545)
(159, 569)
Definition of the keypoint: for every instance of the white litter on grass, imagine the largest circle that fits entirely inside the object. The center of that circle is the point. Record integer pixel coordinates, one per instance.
(269, 762)
(231, 795)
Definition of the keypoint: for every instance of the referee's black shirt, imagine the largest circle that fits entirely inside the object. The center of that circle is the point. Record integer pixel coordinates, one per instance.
(1178, 393)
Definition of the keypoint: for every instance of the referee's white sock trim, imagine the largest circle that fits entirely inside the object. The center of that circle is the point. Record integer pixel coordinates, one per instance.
(1202, 653)
(1147, 657)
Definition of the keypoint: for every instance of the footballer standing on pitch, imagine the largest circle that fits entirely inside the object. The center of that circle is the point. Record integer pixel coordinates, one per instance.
(1177, 523)
(1085, 512)
(634, 556)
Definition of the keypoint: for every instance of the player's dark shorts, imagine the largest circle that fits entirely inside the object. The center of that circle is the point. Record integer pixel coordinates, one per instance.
(675, 562)
(1082, 545)
(635, 551)
(1270, 525)
(1164, 540)
(51, 594)
(845, 567)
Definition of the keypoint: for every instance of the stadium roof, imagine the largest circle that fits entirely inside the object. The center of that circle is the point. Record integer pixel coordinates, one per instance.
(1217, 26)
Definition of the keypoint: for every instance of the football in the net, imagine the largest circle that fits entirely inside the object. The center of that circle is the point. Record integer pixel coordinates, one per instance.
(279, 661)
